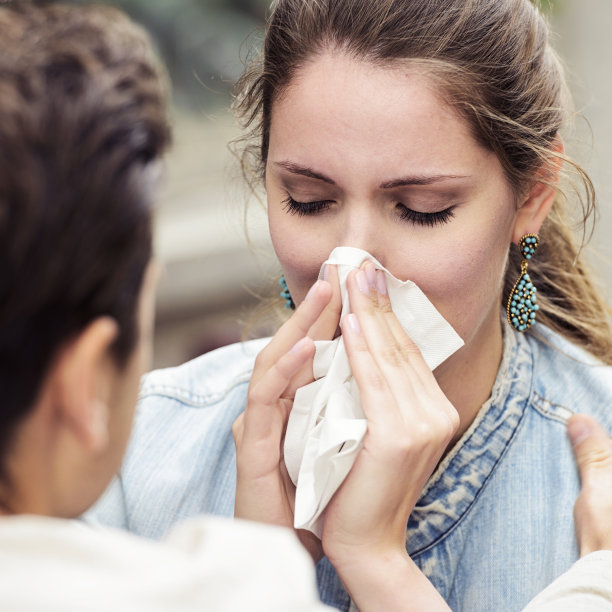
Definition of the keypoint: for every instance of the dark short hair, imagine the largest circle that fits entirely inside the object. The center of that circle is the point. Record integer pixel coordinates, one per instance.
(82, 119)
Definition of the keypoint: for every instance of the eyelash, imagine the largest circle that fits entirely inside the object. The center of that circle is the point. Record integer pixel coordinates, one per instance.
(302, 209)
(426, 219)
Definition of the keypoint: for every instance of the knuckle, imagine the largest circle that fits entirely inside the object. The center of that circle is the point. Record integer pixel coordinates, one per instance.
(375, 380)
(393, 356)
(385, 306)
(409, 348)
(425, 433)
(598, 459)
(254, 395)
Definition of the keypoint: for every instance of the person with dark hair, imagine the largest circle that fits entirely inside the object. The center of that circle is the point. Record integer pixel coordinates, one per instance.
(430, 136)
(83, 127)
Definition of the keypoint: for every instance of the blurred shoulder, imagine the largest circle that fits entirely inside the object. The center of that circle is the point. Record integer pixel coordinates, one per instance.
(206, 378)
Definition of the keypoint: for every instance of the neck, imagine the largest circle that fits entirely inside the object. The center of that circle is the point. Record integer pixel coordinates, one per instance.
(27, 474)
(467, 377)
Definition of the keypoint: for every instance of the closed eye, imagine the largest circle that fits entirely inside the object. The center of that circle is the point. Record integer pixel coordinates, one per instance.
(293, 207)
(425, 219)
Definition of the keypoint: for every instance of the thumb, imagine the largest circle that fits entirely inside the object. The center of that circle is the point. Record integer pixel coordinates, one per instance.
(592, 448)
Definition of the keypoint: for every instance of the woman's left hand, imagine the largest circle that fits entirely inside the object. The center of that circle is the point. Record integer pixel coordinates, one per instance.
(410, 423)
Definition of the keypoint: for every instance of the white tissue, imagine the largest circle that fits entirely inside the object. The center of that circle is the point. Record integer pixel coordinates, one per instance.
(327, 425)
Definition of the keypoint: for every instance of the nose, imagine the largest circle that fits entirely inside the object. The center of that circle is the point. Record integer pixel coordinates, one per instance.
(362, 228)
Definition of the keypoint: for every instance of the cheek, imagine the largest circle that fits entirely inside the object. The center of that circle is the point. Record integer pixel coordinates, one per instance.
(465, 284)
(300, 251)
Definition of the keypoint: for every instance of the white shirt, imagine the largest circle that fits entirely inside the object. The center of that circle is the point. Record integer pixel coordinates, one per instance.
(207, 563)
(585, 587)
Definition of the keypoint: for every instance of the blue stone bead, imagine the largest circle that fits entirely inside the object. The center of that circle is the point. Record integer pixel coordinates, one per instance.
(532, 315)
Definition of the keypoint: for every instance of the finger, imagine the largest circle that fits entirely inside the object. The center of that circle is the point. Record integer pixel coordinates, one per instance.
(376, 396)
(324, 328)
(390, 356)
(410, 349)
(262, 410)
(295, 328)
(397, 356)
(326, 325)
(425, 382)
(592, 449)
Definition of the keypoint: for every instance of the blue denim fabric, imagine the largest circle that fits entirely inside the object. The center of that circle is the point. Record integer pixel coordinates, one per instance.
(494, 524)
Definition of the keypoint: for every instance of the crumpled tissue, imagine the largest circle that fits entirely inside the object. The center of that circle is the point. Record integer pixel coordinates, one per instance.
(327, 425)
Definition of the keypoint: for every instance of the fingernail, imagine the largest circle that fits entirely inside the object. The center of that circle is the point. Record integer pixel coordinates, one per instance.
(353, 321)
(311, 291)
(381, 282)
(325, 272)
(362, 282)
(299, 345)
(370, 271)
(578, 431)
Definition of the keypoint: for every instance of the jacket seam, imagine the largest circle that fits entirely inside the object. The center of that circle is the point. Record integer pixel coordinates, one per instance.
(190, 398)
(483, 486)
(550, 410)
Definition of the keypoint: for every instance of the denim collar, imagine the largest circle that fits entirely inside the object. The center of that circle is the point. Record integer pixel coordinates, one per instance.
(463, 473)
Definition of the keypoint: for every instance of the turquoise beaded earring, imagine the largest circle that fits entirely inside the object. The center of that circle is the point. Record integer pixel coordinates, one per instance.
(522, 307)
(285, 294)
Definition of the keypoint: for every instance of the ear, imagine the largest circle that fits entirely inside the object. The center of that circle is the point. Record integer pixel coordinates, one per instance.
(538, 202)
(84, 375)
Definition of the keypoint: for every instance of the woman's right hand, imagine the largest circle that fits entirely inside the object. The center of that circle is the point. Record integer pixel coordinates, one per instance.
(264, 491)
(593, 508)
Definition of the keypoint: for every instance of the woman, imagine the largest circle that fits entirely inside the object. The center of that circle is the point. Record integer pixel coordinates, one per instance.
(429, 135)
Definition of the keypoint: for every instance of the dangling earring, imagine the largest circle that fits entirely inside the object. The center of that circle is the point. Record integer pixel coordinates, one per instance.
(285, 294)
(522, 307)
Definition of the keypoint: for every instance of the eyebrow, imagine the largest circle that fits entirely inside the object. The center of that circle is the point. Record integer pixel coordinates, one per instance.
(303, 171)
(420, 180)
(401, 182)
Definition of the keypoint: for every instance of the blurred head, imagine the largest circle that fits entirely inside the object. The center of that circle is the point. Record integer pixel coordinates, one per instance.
(82, 128)
(428, 134)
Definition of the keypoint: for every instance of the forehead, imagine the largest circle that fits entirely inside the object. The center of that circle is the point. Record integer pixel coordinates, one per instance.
(337, 105)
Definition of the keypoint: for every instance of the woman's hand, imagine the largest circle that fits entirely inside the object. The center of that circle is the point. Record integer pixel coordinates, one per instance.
(264, 491)
(593, 509)
(410, 423)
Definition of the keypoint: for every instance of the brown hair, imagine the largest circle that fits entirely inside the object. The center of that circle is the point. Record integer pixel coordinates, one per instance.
(82, 118)
(492, 62)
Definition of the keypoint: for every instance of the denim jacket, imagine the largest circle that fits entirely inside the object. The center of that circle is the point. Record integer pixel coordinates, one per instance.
(493, 525)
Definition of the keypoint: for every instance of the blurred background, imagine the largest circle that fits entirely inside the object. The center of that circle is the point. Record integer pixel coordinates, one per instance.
(214, 276)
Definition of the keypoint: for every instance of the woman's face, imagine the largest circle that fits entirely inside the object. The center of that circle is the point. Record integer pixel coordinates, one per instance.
(370, 157)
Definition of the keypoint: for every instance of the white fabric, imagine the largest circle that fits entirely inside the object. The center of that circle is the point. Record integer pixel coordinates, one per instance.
(207, 564)
(327, 425)
(585, 587)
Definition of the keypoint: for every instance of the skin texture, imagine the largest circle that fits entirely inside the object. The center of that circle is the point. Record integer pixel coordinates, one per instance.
(378, 158)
